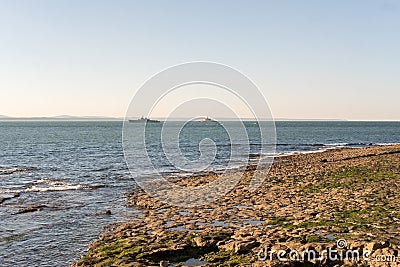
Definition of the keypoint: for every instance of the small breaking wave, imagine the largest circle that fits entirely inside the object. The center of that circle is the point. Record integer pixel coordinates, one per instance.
(44, 185)
(12, 170)
(336, 144)
(386, 144)
(47, 185)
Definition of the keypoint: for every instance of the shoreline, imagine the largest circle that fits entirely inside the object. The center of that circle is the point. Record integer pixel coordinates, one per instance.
(278, 155)
(310, 199)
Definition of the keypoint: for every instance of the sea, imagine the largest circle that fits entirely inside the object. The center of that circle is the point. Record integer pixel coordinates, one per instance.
(58, 177)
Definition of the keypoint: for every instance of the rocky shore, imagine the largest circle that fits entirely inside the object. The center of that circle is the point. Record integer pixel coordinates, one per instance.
(342, 200)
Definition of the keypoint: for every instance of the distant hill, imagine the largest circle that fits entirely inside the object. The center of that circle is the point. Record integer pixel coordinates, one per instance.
(60, 118)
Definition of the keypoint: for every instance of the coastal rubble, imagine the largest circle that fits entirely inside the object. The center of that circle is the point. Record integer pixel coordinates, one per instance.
(308, 202)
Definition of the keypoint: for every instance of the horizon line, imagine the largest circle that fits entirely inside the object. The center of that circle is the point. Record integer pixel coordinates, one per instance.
(111, 118)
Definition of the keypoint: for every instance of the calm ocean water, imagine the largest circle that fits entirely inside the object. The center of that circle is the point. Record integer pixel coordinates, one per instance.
(73, 170)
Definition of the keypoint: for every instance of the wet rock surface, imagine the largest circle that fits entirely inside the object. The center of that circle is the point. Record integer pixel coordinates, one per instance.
(31, 208)
(8, 197)
(307, 202)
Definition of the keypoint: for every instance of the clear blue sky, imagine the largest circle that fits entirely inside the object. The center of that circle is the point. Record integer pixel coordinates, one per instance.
(311, 59)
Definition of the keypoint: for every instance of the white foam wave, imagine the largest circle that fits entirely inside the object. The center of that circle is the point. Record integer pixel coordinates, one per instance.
(386, 144)
(336, 144)
(45, 185)
(285, 154)
(11, 170)
(9, 191)
(57, 187)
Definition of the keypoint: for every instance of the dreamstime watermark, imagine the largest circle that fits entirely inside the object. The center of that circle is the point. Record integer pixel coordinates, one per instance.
(340, 252)
(149, 145)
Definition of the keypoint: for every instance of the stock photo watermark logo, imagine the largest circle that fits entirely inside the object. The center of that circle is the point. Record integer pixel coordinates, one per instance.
(152, 147)
(339, 253)
(331, 254)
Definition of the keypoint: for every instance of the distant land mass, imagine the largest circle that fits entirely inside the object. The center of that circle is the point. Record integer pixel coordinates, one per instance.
(60, 118)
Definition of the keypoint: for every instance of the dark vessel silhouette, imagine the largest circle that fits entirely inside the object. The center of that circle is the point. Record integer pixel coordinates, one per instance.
(143, 119)
(206, 119)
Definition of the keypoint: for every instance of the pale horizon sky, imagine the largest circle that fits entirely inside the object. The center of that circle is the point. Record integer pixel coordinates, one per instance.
(311, 59)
